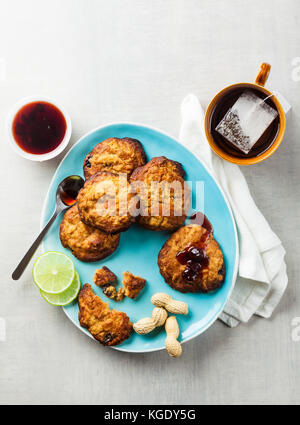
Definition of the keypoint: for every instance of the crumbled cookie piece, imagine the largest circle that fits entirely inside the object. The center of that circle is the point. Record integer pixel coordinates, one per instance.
(120, 294)
(111, 292)
(132, 284)
(104, 277)
(109, 327)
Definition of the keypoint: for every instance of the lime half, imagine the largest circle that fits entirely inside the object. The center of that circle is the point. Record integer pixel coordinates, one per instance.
(53, 272)
(66, 297)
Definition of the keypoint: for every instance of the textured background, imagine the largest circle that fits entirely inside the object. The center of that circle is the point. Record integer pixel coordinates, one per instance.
(135, 60)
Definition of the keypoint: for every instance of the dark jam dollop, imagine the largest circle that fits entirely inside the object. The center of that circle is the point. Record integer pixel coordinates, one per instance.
(39, 128)
(195, 259)
(194, 255)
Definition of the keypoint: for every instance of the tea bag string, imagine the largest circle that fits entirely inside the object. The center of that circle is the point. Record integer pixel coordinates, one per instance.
(266, 98)
(251, 110)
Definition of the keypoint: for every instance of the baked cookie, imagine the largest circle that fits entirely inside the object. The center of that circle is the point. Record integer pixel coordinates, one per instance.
(104, 276)
(132, 284)
(115, 155)
(164, 196)
(191, 260)
(109, 327)
(104, 201)
(86, 243)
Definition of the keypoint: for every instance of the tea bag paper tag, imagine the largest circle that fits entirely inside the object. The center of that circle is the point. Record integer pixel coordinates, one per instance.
(283, 102)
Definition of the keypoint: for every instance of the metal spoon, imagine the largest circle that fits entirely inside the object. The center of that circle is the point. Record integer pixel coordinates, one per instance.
(66, 195)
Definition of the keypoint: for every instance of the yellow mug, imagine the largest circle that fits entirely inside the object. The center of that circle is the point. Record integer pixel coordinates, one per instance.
(258, 85)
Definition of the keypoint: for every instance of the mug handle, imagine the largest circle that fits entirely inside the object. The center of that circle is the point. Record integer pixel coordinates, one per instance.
(263, 74)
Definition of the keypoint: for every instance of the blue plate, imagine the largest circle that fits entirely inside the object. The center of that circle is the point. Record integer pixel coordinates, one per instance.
(139, 247)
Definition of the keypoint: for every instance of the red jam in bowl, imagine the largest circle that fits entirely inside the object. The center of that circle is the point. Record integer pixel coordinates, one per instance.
(39, 127)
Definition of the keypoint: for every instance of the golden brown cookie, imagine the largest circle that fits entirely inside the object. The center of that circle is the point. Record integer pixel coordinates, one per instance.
(115, 155)
(109, 327)
(191, 260)
(132, 284)
(104, 201)
(86, 243)
(104, 276)
(164, 196)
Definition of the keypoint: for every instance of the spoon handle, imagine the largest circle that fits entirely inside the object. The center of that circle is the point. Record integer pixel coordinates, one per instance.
(27, 257)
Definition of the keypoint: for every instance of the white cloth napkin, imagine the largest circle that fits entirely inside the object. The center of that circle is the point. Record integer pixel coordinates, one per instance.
(262, 277)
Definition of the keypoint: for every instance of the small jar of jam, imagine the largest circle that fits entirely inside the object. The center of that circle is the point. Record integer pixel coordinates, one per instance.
(38, 128)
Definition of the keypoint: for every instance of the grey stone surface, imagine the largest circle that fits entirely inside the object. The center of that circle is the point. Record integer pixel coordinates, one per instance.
(135, 60)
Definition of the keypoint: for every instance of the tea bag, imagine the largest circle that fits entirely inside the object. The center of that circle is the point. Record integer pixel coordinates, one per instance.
(246, 121)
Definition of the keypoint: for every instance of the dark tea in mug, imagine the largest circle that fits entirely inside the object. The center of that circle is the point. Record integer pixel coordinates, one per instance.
(221, 111)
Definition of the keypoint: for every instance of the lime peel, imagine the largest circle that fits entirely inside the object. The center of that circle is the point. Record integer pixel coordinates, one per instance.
(66, 297)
